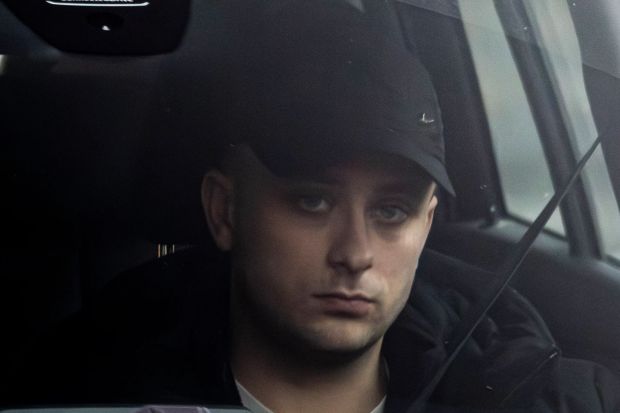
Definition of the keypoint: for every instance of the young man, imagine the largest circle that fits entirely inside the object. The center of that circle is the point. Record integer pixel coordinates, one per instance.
(324, 206)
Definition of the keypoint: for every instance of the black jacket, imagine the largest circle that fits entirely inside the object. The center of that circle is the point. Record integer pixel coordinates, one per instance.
(158, 334)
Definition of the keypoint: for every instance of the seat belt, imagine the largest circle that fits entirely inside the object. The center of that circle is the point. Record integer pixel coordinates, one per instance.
(505, 274)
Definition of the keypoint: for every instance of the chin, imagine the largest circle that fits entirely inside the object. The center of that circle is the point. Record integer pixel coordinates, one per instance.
(340, 343)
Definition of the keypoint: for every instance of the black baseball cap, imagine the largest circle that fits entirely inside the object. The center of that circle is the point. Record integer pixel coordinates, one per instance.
(319, 80)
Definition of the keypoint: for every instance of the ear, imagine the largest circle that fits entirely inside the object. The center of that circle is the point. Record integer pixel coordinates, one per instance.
(217, 192)
(430, 212)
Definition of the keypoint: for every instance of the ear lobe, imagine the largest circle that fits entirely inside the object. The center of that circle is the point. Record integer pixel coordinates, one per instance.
(217, 195)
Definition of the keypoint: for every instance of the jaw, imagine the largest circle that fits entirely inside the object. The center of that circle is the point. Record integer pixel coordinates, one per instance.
(325, 343)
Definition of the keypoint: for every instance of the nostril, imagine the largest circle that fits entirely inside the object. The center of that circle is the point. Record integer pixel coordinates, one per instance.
(351, 250)
(352, 259)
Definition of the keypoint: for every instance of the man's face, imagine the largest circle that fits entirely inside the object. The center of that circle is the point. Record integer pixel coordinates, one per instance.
(326, 262)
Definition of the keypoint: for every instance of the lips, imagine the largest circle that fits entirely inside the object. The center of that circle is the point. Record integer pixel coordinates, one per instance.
(345, 304)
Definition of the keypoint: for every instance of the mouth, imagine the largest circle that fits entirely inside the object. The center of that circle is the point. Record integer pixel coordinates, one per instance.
(345, 304)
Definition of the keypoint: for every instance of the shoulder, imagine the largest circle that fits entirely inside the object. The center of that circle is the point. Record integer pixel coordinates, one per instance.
(512, 360)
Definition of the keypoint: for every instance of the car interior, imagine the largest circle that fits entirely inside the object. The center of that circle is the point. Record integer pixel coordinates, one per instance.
(110, 118)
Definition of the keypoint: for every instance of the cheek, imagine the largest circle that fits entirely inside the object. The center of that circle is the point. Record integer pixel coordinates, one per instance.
(398, 263)
(279, 255)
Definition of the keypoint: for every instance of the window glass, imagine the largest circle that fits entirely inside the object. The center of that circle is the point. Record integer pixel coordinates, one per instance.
(553, 26)
(521, 163)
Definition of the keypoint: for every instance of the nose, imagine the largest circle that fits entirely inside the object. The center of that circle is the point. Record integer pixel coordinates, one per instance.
(351, 250)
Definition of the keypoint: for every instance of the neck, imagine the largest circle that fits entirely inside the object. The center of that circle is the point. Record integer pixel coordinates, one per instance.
(288, 381)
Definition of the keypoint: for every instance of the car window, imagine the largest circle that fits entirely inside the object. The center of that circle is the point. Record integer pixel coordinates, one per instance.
(553, 25)
(523, 170)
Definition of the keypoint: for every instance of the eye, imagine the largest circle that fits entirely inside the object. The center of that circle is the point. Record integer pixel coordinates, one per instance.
(314, 204)
(391, 214)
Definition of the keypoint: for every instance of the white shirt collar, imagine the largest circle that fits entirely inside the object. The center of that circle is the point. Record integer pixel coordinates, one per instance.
(255, 406)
